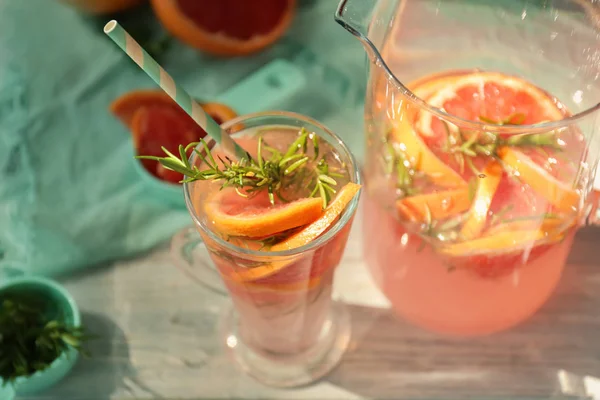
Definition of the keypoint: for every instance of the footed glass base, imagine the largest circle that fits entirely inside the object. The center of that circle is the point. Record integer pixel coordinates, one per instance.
(287, 370)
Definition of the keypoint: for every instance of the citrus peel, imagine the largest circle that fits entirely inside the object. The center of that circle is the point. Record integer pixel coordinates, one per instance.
(231, 214)
(437, 206)
(499, 243)
(420, 156)
(557, 193)
(487, 185)
(304, 236)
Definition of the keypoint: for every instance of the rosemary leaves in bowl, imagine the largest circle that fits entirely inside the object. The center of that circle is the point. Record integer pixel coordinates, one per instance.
(40, 334)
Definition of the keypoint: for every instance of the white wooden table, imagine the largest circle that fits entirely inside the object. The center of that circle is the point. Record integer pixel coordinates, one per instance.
(159, 340)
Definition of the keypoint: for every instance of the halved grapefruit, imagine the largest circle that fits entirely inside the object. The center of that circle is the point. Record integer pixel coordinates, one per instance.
(155, 120)
(226, 27)
(255, 217)
(492, 96)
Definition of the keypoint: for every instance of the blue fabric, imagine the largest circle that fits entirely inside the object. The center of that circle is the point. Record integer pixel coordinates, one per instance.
(69, 196)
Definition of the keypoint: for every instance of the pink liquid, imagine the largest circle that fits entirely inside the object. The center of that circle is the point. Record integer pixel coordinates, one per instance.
(423, 291)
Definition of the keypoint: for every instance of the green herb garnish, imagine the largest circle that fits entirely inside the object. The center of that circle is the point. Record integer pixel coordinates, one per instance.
(30, 339)
(397, 162)
(248, 175)
(466, 145)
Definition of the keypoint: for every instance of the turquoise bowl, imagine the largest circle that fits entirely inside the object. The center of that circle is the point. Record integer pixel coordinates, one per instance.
(62, 303)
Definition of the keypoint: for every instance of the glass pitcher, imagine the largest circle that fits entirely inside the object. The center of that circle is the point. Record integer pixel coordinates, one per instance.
(481, 121)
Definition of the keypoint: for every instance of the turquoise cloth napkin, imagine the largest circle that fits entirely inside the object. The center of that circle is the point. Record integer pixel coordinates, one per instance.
(69, 196)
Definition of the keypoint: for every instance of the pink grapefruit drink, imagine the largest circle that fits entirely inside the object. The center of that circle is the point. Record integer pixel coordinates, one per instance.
(467, 227)
(275, 224)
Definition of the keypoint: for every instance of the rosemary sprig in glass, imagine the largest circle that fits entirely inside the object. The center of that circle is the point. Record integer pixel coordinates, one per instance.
(250, 175)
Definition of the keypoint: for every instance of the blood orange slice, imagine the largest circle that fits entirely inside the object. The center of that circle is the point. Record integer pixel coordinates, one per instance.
(226, 27)
(155, 120)
(255, 217)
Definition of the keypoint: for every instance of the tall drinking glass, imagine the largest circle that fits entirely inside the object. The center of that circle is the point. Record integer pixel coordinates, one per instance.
(482, 123)
(285, 329)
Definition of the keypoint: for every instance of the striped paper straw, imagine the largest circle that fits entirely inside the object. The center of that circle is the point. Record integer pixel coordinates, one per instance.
(166, 82)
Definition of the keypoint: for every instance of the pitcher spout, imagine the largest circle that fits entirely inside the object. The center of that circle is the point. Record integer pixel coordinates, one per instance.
(366, 20)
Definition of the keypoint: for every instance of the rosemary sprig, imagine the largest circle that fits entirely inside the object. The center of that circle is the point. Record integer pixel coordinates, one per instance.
(443, 231)
(31, 339)
(274, 173)
(405, 173)
(465, 145)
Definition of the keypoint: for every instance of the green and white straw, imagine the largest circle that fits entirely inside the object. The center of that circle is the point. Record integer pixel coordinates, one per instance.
(177, 93)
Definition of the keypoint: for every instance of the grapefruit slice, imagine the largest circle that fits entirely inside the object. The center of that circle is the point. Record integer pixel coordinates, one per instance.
(315, 229)
(500, 253)
(304, 236)
(437, 206)
(125, 106)
(226, 27)
(558, 193)
(155, 120)
(153, 128)
(255, 217)
(419, 155)
(552, 224)
(493, 96)
(486, 189)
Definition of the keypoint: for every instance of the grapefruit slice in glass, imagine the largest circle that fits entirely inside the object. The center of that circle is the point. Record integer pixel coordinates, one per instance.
(278, 271)
(255, 217)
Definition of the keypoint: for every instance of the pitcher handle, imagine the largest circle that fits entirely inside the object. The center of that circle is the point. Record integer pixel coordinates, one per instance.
(190, 255)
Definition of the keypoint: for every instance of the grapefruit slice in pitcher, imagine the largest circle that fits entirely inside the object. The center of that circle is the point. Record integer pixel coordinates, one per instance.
(226, 27)
(485, 97)
(488, 97)
(498, 254)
